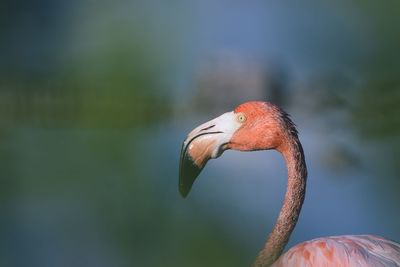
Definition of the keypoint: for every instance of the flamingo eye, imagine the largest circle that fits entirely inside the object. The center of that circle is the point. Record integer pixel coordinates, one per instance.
(241, 118)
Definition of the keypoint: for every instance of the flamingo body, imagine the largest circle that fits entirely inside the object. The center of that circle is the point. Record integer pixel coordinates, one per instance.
(343, 251)
(263, 126)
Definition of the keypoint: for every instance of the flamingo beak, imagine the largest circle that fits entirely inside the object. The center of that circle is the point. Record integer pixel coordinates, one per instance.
(207, 141)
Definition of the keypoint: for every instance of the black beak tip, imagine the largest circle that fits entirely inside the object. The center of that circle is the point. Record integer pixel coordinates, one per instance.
(188, 172)
(183, 192)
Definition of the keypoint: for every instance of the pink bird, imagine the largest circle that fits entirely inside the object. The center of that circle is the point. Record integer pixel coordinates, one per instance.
(263, 126)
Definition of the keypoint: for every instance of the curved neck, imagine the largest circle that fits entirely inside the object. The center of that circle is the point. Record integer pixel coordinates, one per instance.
(292, 151)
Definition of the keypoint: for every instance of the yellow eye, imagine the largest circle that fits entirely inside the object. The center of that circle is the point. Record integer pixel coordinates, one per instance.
(241, 117)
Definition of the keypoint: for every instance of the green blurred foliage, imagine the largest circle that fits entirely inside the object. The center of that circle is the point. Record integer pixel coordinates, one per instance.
(76, 176)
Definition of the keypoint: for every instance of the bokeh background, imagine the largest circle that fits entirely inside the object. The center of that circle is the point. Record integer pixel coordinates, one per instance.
(97, 96)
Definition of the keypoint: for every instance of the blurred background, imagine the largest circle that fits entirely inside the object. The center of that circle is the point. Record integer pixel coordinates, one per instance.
(97, 96)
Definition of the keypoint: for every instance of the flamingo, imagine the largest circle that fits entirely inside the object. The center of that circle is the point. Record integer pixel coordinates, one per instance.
(262, 126)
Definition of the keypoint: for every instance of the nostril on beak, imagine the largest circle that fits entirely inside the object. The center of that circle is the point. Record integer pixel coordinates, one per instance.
(207, 128)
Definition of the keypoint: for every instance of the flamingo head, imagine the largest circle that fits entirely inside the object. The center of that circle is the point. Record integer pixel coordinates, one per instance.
(250, 126)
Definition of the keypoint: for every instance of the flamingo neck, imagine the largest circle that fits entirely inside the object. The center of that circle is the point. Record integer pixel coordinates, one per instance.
(292, 152)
